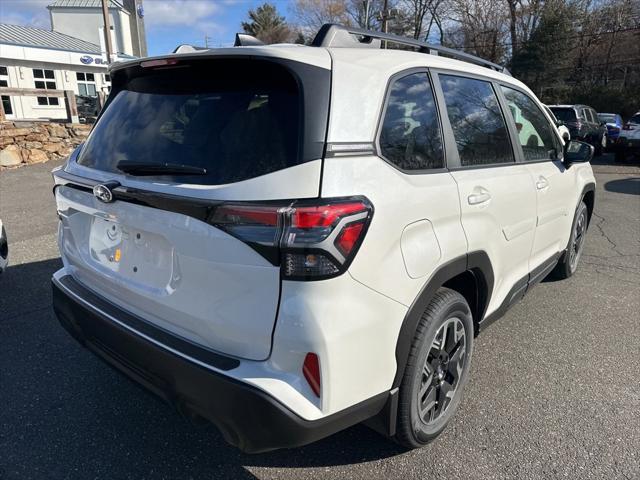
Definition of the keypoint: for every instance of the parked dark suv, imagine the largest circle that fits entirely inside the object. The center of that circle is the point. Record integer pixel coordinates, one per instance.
(583, 123)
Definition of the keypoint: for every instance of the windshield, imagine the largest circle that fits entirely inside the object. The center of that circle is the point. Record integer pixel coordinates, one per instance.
(607, 117)
(236, 121)
(564, 114)
(635, 119)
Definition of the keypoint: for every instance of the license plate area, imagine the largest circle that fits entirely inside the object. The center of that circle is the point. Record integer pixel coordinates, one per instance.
(141, 257)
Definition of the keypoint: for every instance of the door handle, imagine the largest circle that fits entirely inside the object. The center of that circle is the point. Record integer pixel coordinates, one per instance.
(542, 183)
(478, 198)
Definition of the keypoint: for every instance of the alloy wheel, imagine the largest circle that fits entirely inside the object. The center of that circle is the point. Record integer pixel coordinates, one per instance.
(578, 240)
(442, 370)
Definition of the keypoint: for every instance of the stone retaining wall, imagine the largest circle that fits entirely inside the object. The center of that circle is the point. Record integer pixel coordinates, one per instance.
(22, 143)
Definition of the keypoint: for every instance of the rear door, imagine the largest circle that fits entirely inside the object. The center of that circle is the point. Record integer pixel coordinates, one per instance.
(541, 151)
(497, 196)
(185, 148)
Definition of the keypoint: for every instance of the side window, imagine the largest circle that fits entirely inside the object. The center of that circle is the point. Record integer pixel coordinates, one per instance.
(536, 134)
(45, 79)
(477, 121)
(410, 135)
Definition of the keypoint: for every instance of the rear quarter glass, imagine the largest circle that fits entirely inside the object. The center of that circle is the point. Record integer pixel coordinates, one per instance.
(259, 117)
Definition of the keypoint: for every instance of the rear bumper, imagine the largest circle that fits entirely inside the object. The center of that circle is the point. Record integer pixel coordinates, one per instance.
(248, 417)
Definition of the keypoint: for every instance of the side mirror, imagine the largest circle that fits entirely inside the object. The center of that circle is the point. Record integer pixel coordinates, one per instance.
(577, 152)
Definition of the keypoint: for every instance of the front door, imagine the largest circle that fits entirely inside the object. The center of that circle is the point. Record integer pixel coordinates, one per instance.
(541, 151)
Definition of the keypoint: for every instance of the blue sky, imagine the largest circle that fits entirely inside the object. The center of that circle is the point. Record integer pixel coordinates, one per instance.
(168, 22)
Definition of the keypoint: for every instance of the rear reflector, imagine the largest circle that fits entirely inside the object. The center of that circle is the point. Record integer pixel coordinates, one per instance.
(311, 371)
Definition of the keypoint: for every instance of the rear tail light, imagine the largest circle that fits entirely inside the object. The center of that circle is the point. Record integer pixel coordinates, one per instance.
(311, 372)
(309, 240)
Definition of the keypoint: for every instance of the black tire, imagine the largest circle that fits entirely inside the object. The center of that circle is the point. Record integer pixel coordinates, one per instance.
(568, 263)
(448, 312)
(599, 148)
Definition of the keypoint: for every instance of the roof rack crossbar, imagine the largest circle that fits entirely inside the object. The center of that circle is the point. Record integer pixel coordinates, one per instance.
(334, 35)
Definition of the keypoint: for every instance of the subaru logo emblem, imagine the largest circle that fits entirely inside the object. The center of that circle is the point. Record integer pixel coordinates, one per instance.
(103, 193)
(86, 59)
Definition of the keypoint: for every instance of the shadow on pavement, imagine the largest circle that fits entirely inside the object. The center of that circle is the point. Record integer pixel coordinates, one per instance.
(67, 413)
(26, 287)
(630, 186)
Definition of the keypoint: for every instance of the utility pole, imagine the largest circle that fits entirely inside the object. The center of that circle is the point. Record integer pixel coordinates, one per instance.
(384, 16)
(107, 29)
(206, 40)
(366, 14)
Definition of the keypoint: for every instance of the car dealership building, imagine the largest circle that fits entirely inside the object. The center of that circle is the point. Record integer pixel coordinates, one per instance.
(70, 56)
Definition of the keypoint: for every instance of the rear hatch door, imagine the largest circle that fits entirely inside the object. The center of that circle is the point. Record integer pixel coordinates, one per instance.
(177, 158)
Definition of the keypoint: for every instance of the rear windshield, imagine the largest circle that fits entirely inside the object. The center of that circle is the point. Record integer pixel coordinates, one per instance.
(607, 117)
(564, 114)
(236, 119)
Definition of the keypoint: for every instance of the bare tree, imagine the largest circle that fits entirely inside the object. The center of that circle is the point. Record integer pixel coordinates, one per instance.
(310, 15)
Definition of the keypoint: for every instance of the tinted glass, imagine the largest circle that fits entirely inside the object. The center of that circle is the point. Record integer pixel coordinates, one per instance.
(79, 76)
(477, 121)
(564, 114)
(42, 101)
(535, 133)
(40, 84)
(48, 74)
(38, 74)
(410, 136)
(239, 125)
(90, 77)
(607, 117)
(635, 119)
(3, 71)
(53, 101)
(3, 83)
(6, 104)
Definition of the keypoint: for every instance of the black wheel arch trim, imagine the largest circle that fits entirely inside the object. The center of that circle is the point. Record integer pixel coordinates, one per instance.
(589, 187)
(478, 264)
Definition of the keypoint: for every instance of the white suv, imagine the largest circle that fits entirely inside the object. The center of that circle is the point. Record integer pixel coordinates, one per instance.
(288, 240)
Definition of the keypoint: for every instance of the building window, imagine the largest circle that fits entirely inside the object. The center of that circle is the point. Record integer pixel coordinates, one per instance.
(4, 82)
(86, 84)
(45, 79)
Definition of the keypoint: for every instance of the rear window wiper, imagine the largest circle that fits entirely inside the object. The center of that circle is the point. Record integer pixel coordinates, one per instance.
(146, 168)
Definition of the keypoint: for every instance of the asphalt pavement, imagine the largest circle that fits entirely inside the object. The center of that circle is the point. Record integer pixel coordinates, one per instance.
(554, 389)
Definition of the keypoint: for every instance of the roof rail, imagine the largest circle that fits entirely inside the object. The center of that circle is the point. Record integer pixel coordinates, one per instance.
(334, 35)
(245, 40)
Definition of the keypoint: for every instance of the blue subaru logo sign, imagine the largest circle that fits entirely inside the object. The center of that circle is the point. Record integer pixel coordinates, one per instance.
(86, 59)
